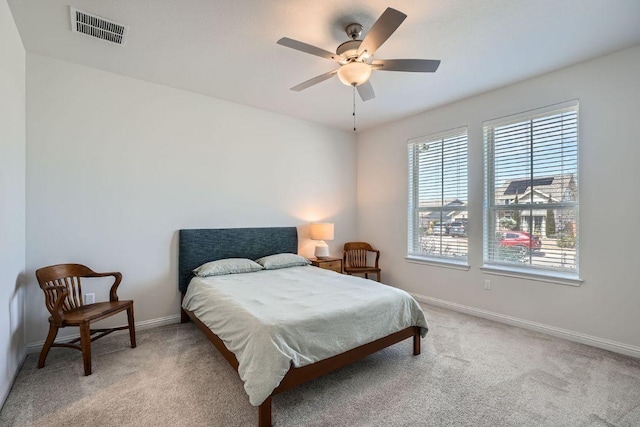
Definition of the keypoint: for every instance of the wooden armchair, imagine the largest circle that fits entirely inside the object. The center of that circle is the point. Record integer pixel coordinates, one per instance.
(354, 259)
(63, 298)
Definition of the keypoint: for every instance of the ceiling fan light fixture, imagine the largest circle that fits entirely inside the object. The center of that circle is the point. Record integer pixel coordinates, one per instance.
(355, 56)
(354, 73)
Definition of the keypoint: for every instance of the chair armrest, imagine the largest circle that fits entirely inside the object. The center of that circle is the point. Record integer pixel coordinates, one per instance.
(377, 257)
(56, 305)
(113, 293)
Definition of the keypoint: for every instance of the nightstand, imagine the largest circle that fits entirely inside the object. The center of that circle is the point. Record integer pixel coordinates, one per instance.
(334, 264)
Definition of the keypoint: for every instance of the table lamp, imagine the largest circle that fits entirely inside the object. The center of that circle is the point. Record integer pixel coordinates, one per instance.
(322, 232)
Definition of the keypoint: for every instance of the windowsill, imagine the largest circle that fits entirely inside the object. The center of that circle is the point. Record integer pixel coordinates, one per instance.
(438, 262)
(557, 278)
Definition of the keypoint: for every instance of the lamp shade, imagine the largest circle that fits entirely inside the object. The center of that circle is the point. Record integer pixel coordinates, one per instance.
(322, 231)
(354, 73)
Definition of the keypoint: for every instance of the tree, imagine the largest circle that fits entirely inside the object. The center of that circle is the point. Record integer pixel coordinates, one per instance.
(550, 225)
(507, 223)
(516, 216)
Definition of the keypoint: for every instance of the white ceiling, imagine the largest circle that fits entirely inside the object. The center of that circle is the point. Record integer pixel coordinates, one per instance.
(227, 48)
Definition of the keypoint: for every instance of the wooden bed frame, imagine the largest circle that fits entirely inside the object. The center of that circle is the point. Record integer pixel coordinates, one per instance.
(204, 245)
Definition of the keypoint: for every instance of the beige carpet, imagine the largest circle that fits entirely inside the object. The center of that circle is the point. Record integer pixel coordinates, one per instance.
(472, 372)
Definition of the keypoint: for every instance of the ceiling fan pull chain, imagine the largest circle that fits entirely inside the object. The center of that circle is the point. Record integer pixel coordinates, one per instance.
(354, 108)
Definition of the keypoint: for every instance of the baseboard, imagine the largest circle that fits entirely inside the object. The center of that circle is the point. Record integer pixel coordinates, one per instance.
(140, 326)
(5, 387)
(605, 344)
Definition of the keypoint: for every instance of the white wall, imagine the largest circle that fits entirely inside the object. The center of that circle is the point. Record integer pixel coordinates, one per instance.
(115, 166)
(606, 306)
(12, 199)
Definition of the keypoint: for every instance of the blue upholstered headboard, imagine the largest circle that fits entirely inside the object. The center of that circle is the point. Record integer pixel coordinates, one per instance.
(198, 246)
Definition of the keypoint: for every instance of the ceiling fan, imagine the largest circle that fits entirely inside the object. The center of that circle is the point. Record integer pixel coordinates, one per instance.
(355, 56)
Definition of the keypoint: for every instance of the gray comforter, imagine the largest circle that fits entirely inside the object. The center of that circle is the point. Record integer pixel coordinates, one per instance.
(273, 319)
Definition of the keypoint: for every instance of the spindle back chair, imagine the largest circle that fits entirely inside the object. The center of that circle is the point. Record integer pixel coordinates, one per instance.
(62, 287)
(355, 259)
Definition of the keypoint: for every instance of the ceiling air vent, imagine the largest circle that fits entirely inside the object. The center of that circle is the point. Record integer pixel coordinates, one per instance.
(98, 27)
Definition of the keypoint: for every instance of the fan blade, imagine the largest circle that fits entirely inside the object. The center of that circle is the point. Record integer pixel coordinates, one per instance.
(411, 65)
(313, 81)
(388, 22)
(365, 90)
(307, 48)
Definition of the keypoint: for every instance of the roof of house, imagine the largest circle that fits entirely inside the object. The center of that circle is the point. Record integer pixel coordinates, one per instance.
(554, 186)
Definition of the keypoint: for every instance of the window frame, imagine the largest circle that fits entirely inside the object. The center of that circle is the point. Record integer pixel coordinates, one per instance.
(413, 190)
(490, 263)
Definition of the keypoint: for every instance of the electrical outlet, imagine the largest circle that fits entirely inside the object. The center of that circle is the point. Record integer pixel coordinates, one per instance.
(487, 284)
(89, 298)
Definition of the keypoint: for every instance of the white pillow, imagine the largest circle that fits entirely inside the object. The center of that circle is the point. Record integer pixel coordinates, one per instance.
(227, 266)
(273, 262)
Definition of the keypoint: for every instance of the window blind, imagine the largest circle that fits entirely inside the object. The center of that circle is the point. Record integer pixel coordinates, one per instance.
(531, 185)
(437, 212)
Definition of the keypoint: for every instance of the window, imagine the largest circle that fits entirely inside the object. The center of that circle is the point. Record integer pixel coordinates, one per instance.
(531, 185)
(437, 209)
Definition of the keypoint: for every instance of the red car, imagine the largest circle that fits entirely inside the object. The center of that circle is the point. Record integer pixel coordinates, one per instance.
(519, 239)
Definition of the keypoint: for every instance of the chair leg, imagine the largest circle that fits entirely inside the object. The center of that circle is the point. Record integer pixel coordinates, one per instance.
(85, 343)
(378, 276)
(132, 326)
(53, 332)
(366, 275)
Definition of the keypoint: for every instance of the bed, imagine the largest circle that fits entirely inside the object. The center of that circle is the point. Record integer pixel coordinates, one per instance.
(243, 301)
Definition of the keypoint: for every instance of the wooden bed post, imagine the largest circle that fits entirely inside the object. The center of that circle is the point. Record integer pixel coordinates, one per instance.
(264, 413)
(184, 317)
(416, 341)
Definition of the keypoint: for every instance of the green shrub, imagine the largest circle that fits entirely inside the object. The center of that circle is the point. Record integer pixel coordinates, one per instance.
(510, 254)
(567, 241)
